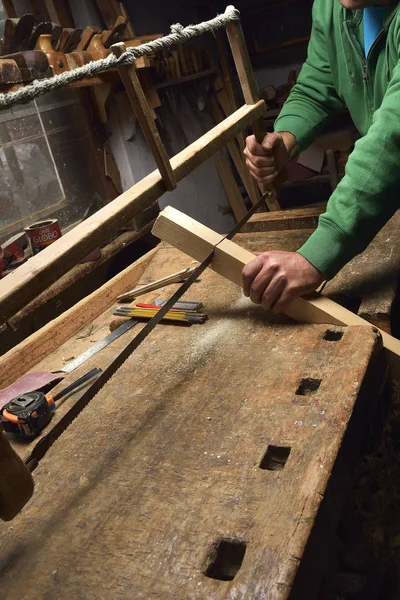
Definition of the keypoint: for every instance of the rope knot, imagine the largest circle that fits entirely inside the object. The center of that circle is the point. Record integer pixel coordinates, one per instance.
(176, 28)
(232, 13)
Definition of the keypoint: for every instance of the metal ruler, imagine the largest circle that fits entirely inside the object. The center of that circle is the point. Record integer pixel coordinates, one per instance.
(48, 440)
(82, 358)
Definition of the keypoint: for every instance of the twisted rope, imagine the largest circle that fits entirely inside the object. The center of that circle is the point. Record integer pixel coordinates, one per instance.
(178, 35)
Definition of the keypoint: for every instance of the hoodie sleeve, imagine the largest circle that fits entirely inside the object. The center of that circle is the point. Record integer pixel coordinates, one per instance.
(313, 99)
(368, 195)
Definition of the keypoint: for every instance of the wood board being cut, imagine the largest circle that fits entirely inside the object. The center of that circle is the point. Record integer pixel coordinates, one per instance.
(202, 469)
(229, 259)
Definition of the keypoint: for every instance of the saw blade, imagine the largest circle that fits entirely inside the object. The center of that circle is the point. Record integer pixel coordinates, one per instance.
(48, 440)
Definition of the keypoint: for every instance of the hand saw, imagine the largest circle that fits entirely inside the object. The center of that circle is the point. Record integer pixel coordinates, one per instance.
(48, 440)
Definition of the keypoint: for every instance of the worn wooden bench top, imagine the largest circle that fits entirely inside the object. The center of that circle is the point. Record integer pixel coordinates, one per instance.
(207, 457)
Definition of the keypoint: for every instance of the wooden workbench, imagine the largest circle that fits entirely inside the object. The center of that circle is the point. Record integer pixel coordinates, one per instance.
(217, 451)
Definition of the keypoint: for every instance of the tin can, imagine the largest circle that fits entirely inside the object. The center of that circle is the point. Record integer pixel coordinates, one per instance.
(43, 234)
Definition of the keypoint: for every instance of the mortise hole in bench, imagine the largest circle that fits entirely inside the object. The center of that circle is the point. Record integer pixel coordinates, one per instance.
(275, 458)
(226, 560)
(333, 336)
(308, 386)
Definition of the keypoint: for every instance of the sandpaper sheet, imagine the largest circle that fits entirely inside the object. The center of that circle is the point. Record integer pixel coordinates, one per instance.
(28, 383)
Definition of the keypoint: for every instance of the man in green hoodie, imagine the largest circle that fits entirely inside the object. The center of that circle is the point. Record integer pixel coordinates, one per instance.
(353, 61)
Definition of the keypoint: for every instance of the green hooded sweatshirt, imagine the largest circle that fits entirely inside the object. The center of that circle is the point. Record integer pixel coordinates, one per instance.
(337, 74)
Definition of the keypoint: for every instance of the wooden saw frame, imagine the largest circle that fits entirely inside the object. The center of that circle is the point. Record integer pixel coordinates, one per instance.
(32, 278)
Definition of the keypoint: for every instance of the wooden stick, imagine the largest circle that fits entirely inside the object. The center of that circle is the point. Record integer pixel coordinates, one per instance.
(143, 113)
(31, 278)
(231, 187)
(42, 343)
(156, 285)
(197, 241)
(250, 91)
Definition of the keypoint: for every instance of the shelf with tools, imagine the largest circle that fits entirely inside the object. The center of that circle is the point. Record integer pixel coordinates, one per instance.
(186, 78)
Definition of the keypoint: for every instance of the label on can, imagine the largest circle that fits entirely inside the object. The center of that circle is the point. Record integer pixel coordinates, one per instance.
(42, 234)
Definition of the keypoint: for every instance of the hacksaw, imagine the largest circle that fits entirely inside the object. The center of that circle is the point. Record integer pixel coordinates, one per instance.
(54, 433)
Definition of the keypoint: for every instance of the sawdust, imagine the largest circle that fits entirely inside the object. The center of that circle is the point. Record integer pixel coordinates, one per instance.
(209, 336)
(226, 326)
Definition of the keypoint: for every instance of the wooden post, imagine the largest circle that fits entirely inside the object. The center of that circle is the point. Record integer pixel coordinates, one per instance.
(197, 240)
(33, 277)
(250, 90)
(143, 113)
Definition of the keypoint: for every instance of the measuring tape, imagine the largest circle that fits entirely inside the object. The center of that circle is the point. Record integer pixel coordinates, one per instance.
(29, 413)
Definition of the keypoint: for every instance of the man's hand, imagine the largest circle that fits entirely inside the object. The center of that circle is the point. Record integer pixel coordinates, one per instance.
(274, 279)
(266, 160)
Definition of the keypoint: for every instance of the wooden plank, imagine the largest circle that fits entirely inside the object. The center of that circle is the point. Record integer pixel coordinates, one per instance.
(43, 342)
(19, 288)
(181, 464)
(298, 218)
(144, 116)
(250, 91)
(231, 187)
(197, 240)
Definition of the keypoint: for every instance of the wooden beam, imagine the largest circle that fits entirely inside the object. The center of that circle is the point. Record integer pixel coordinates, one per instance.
(250, 92)
(31, 278)
(281, 220)
(231, 187)
(198, 241)
(143, 114)
(40, 344)
(242, 62)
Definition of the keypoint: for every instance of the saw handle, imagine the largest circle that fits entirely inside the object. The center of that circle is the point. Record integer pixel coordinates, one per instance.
(272, 202)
